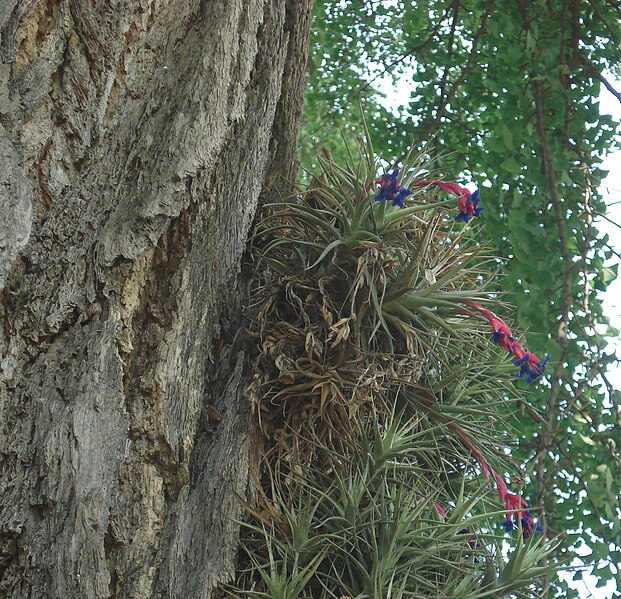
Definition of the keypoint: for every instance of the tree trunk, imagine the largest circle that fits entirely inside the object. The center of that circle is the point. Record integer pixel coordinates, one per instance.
(135, 141)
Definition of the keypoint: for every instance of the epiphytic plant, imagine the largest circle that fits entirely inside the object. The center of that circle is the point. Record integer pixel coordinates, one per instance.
(374, 387)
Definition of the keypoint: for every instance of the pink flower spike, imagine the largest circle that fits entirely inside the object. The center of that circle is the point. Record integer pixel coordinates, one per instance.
(457, 190)
(485, 467)
(517, 350)
(467, 203)
(504, 341)
(501, 486)
(462, 203)
(530, 365)
(443, 186)
(514, 503)
(532, 359)
(500, 330)
(440, 509)
(446, 186)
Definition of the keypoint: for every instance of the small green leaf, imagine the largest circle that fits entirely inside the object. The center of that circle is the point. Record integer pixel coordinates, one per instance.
(511, 165)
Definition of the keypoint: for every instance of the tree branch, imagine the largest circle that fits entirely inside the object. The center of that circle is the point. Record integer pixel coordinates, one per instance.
(567, 301)
(592, 70)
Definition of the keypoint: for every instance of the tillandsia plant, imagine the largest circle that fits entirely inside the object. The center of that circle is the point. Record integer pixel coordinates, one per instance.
(369, 530)
(375, 387)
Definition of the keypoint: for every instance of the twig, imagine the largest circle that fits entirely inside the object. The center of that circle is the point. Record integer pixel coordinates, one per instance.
(590, 68)
(588, 207)
(467, 68)
(612, 222)
(608, 86)
(548, 169)
(617, 254)
(449, 54)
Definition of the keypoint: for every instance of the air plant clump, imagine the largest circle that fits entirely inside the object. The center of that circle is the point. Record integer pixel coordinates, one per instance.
(370, 383)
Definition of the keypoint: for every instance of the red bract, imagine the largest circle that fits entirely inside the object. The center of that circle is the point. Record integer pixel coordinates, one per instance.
(500, 330)
(485, 467)
(530, 365)
(519, 515)
(447, 186)
(515, 505)
(501, 486)
(467, 202)
(440, 509)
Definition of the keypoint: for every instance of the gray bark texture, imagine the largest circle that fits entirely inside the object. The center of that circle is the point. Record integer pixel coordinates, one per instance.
(136, 139)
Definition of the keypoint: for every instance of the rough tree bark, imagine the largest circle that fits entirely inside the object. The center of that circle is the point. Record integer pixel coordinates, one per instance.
(135, 141)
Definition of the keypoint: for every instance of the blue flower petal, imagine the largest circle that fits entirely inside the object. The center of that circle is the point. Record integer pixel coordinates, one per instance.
(462, 216)
(509, 525)
(497, 336)
(390, 190)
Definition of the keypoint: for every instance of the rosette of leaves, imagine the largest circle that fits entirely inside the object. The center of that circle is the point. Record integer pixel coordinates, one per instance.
(374, 530)
(355, 297)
